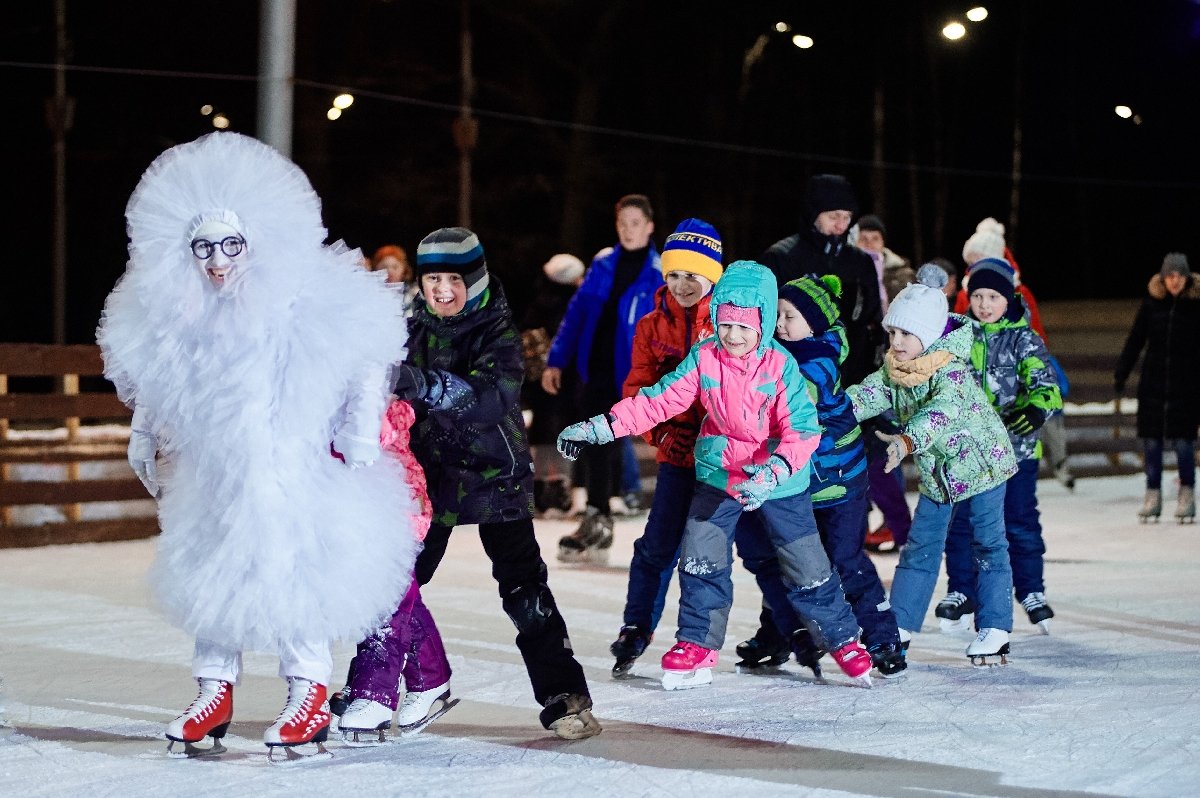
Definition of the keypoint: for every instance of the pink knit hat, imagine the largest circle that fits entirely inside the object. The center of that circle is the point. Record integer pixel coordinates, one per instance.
(729, 313)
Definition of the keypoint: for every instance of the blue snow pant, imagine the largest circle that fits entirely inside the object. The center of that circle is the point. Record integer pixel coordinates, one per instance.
(842, 528)
(656, 552)
(813, 590)
(921, 560)
(1022, 527)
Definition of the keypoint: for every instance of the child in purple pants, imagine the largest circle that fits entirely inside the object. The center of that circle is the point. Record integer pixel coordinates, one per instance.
(409, 645)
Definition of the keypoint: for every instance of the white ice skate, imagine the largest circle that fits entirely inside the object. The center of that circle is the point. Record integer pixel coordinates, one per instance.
(1185, 509)
(688, 665)
(419, 709)
(990, 647)
(1151, 506)
(365, 722)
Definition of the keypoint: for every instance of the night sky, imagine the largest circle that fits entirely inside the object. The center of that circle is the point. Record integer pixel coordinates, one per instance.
(579, 103)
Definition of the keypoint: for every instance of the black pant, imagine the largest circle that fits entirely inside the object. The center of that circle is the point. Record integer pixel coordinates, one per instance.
(601, 464)
(520, 572)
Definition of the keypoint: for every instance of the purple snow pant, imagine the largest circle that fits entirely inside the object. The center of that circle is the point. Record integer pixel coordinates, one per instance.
(408, 645)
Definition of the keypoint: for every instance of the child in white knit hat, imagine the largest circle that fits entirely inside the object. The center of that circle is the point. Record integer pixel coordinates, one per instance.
(962, 453)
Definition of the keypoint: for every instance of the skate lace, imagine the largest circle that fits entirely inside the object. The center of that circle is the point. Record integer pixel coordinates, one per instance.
(357, 705)
(983, 634)
(954, 599)
(1033, 601)
(207, 701)
(299, 705)
(410, 699)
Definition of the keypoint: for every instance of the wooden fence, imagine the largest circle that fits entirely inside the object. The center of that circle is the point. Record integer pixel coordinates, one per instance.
(64, 408)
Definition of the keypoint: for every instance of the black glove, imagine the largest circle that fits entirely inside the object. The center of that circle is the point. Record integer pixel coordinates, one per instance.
(411, 383)
(1026, 420)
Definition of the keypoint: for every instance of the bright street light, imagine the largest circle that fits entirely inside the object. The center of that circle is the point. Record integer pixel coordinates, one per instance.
(782, 27)
(1123, 111)
(954, 31)
(802, 41)
(333, 114)
(977, 14)
(343, 101)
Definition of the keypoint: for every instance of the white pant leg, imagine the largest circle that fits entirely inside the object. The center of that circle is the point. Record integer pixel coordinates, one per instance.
(213, 661)
(307, 659)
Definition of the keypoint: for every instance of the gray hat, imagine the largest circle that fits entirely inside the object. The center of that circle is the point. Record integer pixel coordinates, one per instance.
(1175, 263)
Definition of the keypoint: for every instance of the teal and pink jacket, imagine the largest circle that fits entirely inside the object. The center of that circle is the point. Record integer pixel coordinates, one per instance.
(756, 406)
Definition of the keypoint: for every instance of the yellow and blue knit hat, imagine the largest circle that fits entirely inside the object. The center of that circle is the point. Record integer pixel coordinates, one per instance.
(815, 298)
(694, 247)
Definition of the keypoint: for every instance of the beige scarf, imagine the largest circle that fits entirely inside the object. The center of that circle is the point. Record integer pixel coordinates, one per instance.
(916, 371)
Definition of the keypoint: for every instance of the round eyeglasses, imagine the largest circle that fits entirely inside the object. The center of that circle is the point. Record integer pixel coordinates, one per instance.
(232, 246)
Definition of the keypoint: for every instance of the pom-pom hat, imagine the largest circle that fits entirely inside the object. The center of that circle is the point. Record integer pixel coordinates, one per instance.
(815, 299)
(920, 310)
(986, 242)
(564, 269)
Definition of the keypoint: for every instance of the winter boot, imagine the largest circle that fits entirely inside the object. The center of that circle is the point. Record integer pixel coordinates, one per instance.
(207, 716)
(590, 542)
(367, 719)
(420, 708)
(888, 659)
(304, 719)
(1185, 510)
(688, 665)
(987, 646)
(630, 644)
(1038, 610)
(855, 662)
(569, 715)
(1151, 505)
(957, 612)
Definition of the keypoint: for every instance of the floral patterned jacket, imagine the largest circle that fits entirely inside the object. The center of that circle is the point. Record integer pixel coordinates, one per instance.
(960, 446)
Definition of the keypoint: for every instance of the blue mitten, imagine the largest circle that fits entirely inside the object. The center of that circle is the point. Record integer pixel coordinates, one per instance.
(596, 430)
(764, 478)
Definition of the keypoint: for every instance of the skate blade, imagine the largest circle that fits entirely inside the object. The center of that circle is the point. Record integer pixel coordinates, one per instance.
(192, 751)
(623, 667)
(593, 556)
(759, 666)
(303, 754)
(863, 681)
(965, 624)
(364, 738)
(1044, 626)
(578, 726)
(415, 728)
(686, 680)
(988, 660)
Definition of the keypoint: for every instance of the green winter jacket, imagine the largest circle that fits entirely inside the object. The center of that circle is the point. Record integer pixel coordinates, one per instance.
(960, 446)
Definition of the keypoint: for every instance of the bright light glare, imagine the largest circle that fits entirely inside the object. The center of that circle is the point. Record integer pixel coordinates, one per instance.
(206, 110)
(333, 113)
(343, 101)
(977, 14)
(1123, 111)
(220, 121)
(782, 27)
(802, 41)
(954, 31)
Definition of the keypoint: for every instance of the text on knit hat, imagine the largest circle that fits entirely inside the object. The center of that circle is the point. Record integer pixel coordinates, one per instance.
(694, 247)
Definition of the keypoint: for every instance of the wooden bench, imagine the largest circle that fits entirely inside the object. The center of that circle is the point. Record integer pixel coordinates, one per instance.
(46, 415)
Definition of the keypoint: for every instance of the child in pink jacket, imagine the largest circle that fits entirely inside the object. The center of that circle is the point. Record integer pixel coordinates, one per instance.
(409, 645)
(752, 453)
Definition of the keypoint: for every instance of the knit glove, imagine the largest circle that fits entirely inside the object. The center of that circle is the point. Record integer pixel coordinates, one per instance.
(1026, 420)
(143, 447)
(596, 430)
(764, 479)
(898, 447)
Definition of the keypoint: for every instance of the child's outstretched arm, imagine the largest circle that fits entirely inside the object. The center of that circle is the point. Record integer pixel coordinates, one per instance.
(596, 431)
(870, 397)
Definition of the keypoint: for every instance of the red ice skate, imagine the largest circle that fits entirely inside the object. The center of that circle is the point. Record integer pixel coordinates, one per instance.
(855, 662)
(688, 665)
(208, 716)
(304, 719)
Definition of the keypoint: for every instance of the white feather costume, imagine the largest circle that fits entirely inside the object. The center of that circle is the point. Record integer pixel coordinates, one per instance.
(265, 536)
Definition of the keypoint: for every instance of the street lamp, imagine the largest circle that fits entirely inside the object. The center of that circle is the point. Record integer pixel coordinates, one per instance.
(954, 31)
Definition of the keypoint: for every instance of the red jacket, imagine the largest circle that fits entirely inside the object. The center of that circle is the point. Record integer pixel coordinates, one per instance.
(661, 341)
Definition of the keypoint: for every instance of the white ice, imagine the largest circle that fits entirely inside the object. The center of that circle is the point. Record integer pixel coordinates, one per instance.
(1105, 705)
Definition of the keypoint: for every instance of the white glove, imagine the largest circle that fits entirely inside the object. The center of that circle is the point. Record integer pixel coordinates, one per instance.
(355, 449)
(143, 447)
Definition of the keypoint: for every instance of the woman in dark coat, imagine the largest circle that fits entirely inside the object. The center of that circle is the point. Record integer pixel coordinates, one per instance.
(1168, 328)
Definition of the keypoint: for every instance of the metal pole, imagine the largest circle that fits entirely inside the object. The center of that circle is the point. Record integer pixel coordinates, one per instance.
(276, 72)
(466, 128)
(59, 113)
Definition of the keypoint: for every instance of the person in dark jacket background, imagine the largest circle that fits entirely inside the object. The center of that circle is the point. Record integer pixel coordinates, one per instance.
(463, 377)
(1168, 328)
(828, 209)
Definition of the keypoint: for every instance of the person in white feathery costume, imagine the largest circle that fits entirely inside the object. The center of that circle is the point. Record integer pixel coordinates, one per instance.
(247, 348)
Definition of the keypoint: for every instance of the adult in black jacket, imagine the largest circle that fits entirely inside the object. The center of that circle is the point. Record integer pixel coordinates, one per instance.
(819, 248)
(1168, 328)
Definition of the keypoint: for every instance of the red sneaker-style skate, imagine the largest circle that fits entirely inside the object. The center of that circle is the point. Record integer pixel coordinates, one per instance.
(304, 719)
(688, 665)
(208, 716)
(855, 662)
